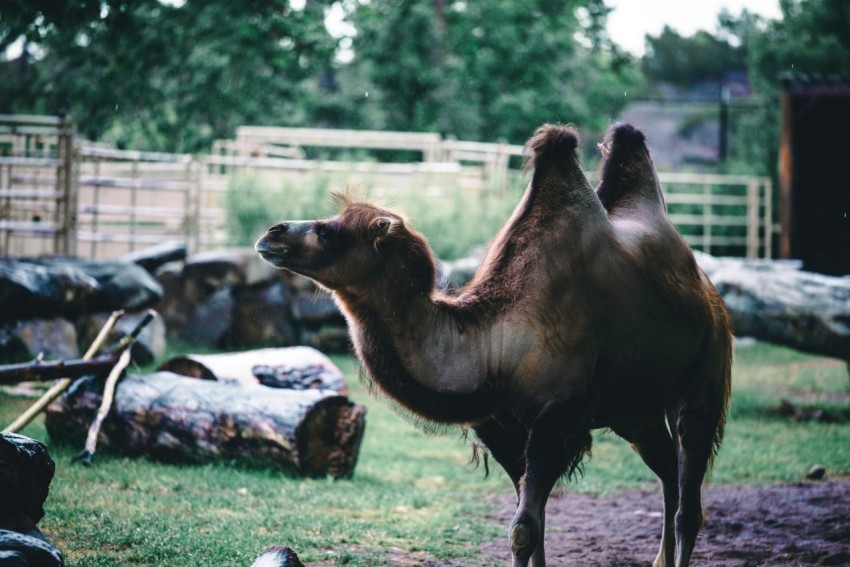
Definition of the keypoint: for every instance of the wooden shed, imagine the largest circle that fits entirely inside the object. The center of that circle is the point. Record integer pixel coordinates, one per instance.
(814, 173)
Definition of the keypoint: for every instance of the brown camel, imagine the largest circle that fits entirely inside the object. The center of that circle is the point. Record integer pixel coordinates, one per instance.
(580, 317)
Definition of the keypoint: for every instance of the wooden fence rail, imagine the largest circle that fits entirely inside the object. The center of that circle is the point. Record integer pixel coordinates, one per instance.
(101, 202)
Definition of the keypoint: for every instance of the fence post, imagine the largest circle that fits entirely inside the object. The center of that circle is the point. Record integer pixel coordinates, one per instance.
(68, 232)
(768, 217)
(706, 218)
(753, 219)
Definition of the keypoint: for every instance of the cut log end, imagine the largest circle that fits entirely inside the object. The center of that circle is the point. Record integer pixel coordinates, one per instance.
(329, 437)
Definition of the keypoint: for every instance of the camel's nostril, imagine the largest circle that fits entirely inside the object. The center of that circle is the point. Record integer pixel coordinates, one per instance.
(279, 228)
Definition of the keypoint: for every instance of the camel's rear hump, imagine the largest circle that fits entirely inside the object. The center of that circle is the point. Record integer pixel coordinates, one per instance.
(628, 181)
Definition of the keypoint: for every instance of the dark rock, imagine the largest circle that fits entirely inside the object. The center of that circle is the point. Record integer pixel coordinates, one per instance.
(328, 339)
(277, 556)
(26, 471)
(68, 287)
(25, 339)
(174, 307)
(315, 310)
(210, 323)
(32, 288)
(149, 346)
(23, 549)
(153, 257)
(817, 472)
(262, 316)
(229, 267)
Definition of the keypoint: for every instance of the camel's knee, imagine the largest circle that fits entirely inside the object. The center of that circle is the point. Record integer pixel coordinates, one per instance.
(524, 534)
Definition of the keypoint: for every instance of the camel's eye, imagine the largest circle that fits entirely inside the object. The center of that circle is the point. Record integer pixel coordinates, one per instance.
(325, 234)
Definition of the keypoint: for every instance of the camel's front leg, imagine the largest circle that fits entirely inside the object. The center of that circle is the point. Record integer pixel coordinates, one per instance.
(556, 444)
(505, 437)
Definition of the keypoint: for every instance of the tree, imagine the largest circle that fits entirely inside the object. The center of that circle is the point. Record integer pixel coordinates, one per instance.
(168, 77)
(490, 70)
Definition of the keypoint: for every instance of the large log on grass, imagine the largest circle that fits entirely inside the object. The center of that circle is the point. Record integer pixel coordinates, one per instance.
(180, 419)
(776, 302)
(294, 368)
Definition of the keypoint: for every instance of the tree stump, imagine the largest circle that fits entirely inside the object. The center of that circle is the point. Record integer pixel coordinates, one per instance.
(180, 419)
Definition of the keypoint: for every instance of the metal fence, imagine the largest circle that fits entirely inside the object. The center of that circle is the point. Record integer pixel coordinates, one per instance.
(102, 202)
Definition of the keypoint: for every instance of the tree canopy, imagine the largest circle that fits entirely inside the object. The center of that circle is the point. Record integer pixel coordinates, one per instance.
(175, 76)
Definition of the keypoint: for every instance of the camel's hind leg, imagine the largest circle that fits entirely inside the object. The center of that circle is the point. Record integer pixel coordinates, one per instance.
(696, 431)
(656, 448)
(557, 442)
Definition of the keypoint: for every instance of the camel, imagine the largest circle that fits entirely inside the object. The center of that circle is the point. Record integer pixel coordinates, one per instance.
(588, 311)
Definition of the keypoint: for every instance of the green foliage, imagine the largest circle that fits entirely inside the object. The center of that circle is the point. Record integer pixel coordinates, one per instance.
(487, 71)
(165, 77)
(254, 204)
(411, 491)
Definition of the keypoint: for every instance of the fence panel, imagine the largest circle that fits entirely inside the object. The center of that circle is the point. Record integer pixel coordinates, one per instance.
(129, 200)
(37, 186)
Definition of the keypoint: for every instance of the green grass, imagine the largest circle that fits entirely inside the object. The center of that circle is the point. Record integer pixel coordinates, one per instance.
(410, 490)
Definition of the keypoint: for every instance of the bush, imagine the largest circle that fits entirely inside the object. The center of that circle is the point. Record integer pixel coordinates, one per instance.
(454, 224)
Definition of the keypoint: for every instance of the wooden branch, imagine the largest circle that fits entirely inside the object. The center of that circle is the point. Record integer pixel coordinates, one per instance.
(64, 383)
(39, 371)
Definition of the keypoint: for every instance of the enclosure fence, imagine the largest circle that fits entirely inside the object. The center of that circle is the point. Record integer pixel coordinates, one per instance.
(58, 197)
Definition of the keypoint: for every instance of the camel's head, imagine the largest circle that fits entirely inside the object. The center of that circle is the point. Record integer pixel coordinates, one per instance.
(350, 249)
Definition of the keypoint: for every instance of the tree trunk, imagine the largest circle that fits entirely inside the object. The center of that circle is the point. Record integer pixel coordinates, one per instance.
(293, 368)
(775, 302)
(179, 419)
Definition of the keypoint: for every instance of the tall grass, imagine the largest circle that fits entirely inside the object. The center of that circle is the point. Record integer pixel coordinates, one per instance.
(410, 491)
(455, 222)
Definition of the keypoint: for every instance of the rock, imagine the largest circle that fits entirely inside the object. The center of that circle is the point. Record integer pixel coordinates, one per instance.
(315, 310)
(149, 346)
(32, 288)
(26, 471)
(23, 549)
(817, 472)
(210, 323)
(228, 267)
(262, 316)
(174, 306)
(277, 556)
(328, 339)
(26, 339)
(153, 257)
(67, 287)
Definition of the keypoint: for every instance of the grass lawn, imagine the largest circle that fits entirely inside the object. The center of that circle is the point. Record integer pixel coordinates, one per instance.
(410, 491)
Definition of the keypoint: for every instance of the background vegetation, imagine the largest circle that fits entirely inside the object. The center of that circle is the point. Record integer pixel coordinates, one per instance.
(173, 76)
(411, 491)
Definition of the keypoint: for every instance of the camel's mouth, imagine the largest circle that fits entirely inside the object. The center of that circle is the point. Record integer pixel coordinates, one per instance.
(274, 253)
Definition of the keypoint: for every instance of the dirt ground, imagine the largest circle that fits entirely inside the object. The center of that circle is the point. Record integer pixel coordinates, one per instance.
(778, 526)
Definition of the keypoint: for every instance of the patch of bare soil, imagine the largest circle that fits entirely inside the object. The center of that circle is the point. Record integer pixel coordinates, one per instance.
(778, 526)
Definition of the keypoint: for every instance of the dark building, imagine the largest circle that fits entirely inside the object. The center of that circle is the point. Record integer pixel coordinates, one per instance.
(814, 173)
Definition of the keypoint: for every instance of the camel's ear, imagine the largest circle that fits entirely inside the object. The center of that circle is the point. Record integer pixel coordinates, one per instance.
(381, 227)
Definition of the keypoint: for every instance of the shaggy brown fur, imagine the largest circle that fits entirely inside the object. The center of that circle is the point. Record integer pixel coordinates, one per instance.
(580, 316)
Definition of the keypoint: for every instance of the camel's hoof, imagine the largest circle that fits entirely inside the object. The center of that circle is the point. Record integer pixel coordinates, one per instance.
(520, 537)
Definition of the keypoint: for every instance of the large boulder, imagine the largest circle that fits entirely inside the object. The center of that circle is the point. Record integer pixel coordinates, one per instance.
(28, 338)
(26, 471)
(67, 287)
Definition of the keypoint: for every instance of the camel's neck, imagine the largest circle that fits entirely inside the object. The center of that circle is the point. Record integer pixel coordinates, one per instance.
(430, 355)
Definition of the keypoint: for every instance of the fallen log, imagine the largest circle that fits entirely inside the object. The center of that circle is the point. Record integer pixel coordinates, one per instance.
(294, 368)
(180, 419)
(773, 301)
